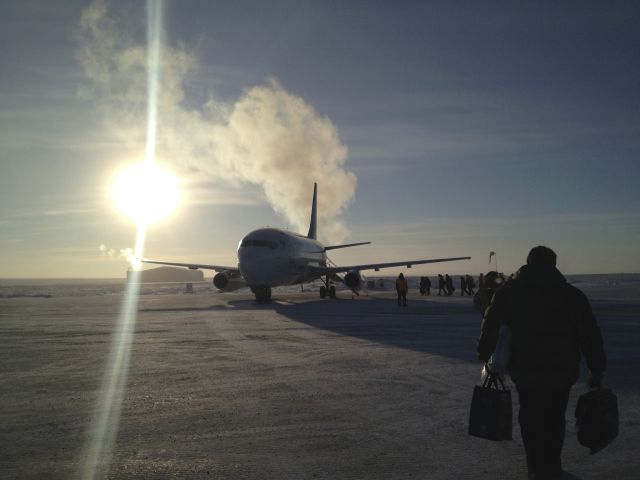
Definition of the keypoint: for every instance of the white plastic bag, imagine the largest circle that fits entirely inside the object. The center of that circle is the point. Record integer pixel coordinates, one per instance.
(499, 361)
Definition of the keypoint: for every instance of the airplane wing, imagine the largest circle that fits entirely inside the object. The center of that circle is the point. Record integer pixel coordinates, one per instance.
(194, 266)
(378, 266)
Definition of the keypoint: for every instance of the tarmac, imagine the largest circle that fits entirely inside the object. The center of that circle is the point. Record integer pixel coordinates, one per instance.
(301, 388)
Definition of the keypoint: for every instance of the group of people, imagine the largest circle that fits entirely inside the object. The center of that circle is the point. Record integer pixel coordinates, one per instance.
(445, 285)
(551, 326)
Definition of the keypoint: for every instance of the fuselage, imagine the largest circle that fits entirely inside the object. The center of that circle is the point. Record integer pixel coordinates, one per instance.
(269, 257)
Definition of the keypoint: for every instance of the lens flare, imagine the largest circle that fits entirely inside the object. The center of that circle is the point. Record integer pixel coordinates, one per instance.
(143, 205)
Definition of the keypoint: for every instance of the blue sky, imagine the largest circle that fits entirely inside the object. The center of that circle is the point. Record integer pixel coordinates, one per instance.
(470, 127)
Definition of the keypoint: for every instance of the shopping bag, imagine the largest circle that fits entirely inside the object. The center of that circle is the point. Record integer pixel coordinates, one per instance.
(597, 419)
(491, 415)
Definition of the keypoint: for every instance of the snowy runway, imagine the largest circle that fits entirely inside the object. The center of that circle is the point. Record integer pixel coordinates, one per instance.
(221, 387)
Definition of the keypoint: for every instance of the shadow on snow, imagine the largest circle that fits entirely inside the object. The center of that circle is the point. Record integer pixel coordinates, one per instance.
(447, 329)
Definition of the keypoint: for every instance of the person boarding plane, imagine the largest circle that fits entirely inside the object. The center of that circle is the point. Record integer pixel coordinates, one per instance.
(271, 257)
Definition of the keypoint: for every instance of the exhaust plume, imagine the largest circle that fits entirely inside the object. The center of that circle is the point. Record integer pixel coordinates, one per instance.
(269, 137)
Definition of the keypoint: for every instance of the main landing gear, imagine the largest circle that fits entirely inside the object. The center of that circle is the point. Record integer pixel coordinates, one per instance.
(263, 294)
(327, 289)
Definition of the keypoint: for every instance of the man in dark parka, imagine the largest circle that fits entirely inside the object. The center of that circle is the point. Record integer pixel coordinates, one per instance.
(551, 326)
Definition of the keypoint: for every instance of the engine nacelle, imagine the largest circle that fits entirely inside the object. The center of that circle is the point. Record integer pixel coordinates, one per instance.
(226, 282)
(353, 280)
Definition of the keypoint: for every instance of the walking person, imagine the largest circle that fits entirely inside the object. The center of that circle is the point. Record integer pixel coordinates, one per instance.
(427, 286)
(463, 285)
(402, 287)
(448, 284)
(551, 325)
(491, 283)
(441, 285)
(423, 288)
(471, 285)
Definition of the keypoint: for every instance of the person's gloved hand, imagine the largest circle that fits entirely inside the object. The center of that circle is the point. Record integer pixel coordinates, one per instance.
(595, 380)
(482, 358)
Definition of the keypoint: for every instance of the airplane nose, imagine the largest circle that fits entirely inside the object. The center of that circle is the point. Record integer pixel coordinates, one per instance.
(255, 266)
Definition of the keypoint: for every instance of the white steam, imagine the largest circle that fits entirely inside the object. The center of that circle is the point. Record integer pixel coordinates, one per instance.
(111, 252)
(269, 137)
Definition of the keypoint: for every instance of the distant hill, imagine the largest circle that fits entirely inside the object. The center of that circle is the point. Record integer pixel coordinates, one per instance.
(169, 274)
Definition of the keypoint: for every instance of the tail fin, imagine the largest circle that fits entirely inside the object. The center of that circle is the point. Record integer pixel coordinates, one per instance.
(314, 213)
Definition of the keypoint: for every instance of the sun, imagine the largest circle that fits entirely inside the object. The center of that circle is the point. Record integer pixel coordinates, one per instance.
(145, 193)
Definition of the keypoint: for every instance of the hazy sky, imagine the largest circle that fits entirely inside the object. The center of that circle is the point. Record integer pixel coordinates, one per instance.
(433, 128)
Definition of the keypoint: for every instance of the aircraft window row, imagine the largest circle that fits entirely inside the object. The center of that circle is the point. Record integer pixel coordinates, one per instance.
(259, 243)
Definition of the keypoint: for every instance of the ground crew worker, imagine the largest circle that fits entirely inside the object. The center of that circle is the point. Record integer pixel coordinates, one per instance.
(402, 287)
(463, 285)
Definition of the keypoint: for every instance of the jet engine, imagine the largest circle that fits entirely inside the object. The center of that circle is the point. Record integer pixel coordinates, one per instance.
(353, 280)
(227, 281)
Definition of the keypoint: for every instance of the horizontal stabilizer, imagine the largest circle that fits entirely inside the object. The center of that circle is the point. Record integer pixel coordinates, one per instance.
(333, 247)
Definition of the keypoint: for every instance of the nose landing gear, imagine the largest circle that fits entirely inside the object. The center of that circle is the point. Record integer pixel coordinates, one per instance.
(263, 294)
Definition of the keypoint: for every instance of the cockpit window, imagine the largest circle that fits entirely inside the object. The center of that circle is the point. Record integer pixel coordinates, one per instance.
(258, 243)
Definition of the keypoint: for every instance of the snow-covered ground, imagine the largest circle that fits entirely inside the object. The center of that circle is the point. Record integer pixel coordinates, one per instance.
(222, 387)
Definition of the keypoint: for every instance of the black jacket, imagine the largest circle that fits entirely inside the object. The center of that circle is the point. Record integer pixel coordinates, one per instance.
(551, 325)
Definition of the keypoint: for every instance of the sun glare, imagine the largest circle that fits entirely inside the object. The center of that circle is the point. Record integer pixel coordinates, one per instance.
(145, 193)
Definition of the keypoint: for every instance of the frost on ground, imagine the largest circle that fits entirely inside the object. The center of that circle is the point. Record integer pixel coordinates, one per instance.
(221, 387)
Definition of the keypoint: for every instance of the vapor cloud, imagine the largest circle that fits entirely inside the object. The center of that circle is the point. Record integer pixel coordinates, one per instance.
(269, 137)
(111, 252)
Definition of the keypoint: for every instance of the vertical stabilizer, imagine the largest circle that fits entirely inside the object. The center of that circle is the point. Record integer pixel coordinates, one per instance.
(314, 213)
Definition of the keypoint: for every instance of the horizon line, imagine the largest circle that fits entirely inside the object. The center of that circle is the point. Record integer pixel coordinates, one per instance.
(392, 275)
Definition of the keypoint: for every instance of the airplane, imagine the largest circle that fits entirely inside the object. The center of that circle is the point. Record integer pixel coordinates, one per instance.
(272, 257)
